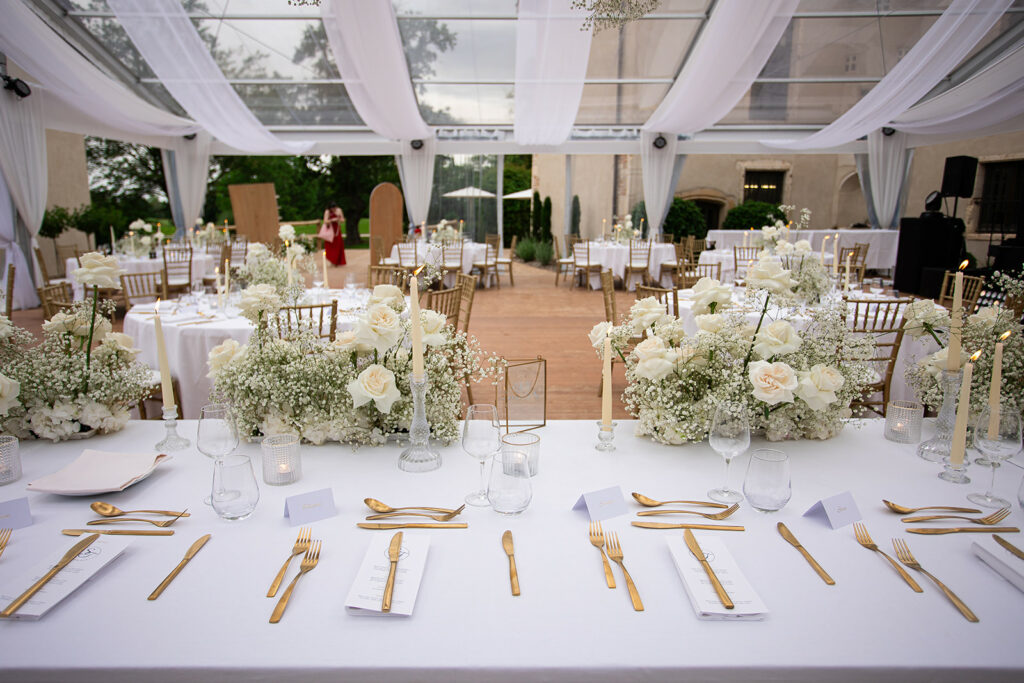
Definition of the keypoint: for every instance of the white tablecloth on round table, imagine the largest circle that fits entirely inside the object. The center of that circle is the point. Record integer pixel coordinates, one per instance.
(472, 252)
(202, 265)
(212, 622)
(881, 253)
(614, 257)
(727, 257)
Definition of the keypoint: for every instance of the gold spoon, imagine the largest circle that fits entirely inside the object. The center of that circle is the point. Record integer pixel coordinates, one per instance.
(906, 511)
(108, 510)
(706, 515)
(108, 520)
(378, 506)
(651, 503)
(439, 518)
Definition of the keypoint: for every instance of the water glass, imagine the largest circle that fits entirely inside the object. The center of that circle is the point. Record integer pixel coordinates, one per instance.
(281, 461)
(509, 491)
(527, 443)
(767, 485)
(235, 492)
(729, 436)
(10, 460)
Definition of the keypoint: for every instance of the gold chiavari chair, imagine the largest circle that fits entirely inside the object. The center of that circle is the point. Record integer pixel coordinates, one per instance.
(446, 302)
(488, 268)
(56, 297)
(883, 321)
(504, 263)
(321, 318)
(44, 271)
(9, 293)
(563, 264)
(608, 290)
(582, 267)
(142, 288)
(639, 262)
(451, 254)
(493, 240)
(667, 238)
(237, 250)
(467, 285)
(669, 297)
(673, 267)
(387, 275)
(178, 269)
(409, 256)
(65, 252)
(857, 263)
(693, 272)
(699, 245)
(742, 258)
(973, 284)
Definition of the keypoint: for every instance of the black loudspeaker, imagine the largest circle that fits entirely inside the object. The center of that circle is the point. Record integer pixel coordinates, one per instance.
(928, 245)
(958, 176)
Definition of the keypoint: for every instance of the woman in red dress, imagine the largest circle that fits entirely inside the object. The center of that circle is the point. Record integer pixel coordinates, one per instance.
(333, 218)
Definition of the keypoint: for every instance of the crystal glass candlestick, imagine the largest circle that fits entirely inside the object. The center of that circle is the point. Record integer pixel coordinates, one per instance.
(419, 456)
(605, 438)
(172, 442)
(955, 474)
(938, 447)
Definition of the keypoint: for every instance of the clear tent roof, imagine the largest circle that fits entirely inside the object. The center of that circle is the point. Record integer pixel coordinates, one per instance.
(461, 58)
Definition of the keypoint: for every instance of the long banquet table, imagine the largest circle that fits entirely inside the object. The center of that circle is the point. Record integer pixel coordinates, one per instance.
(212, 622)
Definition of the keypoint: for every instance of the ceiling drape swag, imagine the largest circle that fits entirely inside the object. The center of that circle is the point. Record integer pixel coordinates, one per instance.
(363, 35)
(186, 167)
(936, 54)
(416, 171)
(657, 165)
(168, 40)
(715, 78)
(888, 167)
(551, 64)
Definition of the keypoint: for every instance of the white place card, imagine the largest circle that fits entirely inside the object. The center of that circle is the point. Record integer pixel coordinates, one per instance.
(309, 507)
(603, 504)
(1000, 559)
(367, 592)
(89, 562)
(838, 510)
(15, 514)
(703, 598)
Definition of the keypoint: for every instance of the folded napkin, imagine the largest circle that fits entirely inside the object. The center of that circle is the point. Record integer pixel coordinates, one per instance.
(98, 472)
(705, 602)
(1002, 561)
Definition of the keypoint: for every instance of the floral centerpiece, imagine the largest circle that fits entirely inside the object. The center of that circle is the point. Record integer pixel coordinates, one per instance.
(791, 384)
(446, 231)
(776, 233)
(804, 281)
(263, 267)
(209, 234)
(354, 389)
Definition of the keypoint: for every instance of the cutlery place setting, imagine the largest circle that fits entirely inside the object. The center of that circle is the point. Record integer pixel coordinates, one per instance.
(723, 512)
(610, 541)
(309, 548)
(988, 520)
(110, 514)
(441, 516)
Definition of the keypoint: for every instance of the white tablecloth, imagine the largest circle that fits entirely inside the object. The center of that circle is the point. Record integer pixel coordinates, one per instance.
(881, 253)
(202, 265)
(614, 257)
(727, 258)
(212, 622)
(472, 252)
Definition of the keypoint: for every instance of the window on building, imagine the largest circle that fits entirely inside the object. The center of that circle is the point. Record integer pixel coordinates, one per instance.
(851, 64)
(763, 186)
(712, 211)
(1002, 197)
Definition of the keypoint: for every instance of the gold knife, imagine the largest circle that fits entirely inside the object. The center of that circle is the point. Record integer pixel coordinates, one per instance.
(119, 532)
(382, 525)
(788, 535)
(694, 547)
(181, 565)
(394, 550)
(70, 555)
(967, 530)
(1009, 546)
(666, 525)
(506, 543)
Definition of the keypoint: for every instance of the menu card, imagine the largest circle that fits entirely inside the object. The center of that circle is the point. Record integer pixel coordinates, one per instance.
(89, 562)
(367, 590)
(698, 586)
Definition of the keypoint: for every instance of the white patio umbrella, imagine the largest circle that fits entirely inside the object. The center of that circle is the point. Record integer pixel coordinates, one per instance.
(469, 193)
(521, 194)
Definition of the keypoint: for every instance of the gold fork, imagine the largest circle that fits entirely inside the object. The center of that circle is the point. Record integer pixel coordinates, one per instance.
(301, 546)
(615, 553)
(994, 518)
(5, 535)
(706, 515)
(597, 540)
(115, 520)
(864, 538)
(309, 561)
(907, 558)
(439, 518)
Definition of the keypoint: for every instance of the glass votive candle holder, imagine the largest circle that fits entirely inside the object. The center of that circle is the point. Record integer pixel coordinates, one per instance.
(281, 462)
(527, 443)
(10, 460)
(903, 421)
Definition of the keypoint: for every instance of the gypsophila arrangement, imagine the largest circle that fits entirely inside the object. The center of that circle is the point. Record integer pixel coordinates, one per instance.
(774, 236)
(795, 276)
(262, 267)
(792, 385)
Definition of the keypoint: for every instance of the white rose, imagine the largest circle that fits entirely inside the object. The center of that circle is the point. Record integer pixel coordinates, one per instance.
(818, 386)
(146, 240)
(256, 251)
(137, 225)
(376, 383)
(776, 338)
(6, 327)
(380, 328)
(598, 333)
(345, 342)
(709, 291)
(773, 382)
(121, 341)
(221, 355)
(769, 232)
(655, 359)
(647, 312)
(296, 250)
(923, 314)
(433, 328)
(9, 390)
(802, 247)
(770, 275)
(985, 316)
(258, 299)
(98, 270)
(784, 248)
(275, 423)
(93, 414)
(389, 295)
(286, 232)
(936, 362)
(710, 322)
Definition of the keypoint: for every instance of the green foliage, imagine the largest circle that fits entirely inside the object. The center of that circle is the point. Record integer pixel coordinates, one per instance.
(55, 220)
(545, 253)
(96, 219)
(516, 212)
(526, 249)
(574, 217)
(640, 211)
(537, 216)
(752, 215)
(545, 221)
(684, 218)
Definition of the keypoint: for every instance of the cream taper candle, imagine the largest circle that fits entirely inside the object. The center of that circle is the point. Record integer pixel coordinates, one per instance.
(823, 243)
(835, 255)
(963, 409)
(161, 359)
(324, 263)
(417, 329)
(995, 387)
(606, 393)
(956, 321)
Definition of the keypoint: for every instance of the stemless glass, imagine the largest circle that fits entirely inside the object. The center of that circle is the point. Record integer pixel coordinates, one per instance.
(509, 491)
(215, 435)
(233, 475)
(767, 485)
(481, 438)
(999, 443)
(729, 436)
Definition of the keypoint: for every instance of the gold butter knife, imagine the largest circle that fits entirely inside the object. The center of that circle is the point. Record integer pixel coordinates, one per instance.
(791, 539)
(695, 550)
(394, 550)
(382, 525)
(181, 565)
(967, 530)
(119, 532)
(666, 525)
(70, 555)
(506, 543)
(1009, 546)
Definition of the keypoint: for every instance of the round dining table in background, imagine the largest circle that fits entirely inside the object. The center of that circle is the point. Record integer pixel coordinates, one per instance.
(615, 257)
(202, 265)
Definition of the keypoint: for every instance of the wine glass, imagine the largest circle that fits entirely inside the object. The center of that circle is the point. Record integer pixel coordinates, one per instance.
(767, 485)
(998, 438)
(481, 438)
(729, 436)
(216, 436)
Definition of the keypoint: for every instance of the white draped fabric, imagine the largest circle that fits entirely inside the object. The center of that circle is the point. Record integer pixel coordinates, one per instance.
(551, 62)
(416, 171)
(186, 165)
(168, 40)
(715, 78)
(368, 51)
(936, 54)
(657, 166)
(24, 291)
(888, 166)
(79, 97)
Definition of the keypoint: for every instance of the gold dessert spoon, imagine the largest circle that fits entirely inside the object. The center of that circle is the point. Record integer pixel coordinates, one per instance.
(906, 511)
(651, 503)
(378, 506)
(706, 515)
(108, 510)
(438, 518)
